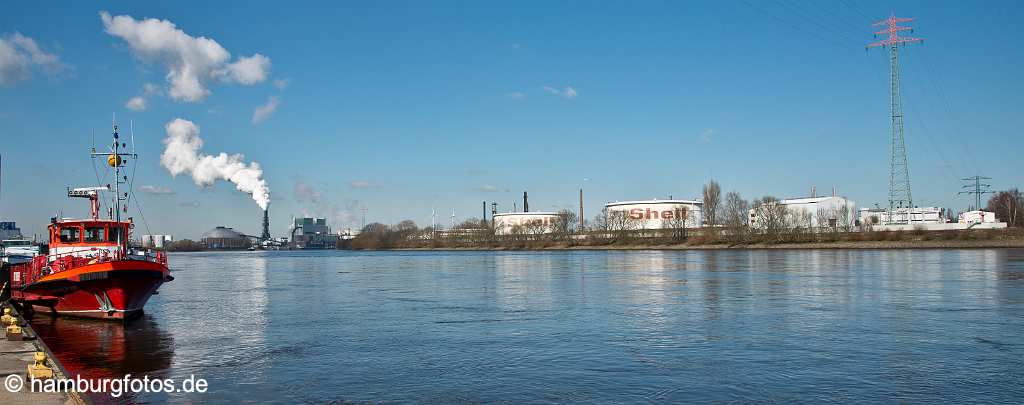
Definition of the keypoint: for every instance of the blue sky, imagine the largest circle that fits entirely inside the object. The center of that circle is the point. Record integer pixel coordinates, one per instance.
(403, 106)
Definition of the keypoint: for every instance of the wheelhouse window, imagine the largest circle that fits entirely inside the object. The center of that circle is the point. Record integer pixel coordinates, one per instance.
(95, 234)
(70, 234)
(115, 234)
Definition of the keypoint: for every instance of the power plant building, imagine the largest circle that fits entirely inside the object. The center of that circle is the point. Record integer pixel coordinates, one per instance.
(655, 214)
(313, 233)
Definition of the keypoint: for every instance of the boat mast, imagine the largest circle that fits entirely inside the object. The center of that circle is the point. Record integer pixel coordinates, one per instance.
(116, 159)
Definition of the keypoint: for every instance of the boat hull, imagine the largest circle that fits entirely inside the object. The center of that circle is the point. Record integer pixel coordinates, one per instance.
(111, 290)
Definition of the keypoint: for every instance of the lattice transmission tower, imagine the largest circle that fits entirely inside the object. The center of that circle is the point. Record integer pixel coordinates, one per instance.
(977, 188)
(899, 175)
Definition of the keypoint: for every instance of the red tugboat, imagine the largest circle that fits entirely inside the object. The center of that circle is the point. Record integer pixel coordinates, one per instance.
(90, 270)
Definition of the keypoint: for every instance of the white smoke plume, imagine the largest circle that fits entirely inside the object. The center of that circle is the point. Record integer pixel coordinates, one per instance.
(182, 155)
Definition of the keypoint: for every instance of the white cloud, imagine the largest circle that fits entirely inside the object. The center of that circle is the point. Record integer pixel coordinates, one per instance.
(362, 184)
(18, 54)
(487, 188)
(248, 70)
(191, 62)
(136, 103)
(516, 95)
(150, 89)
(261, 113)
(156, 190)
(567, 93)
(282, 84)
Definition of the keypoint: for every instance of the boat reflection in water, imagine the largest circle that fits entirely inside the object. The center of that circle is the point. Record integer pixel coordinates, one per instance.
(95, 350)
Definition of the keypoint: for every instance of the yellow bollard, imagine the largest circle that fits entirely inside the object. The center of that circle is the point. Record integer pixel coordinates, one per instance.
(39, 371)
(14, 332)
(7, 318)
(13, 329)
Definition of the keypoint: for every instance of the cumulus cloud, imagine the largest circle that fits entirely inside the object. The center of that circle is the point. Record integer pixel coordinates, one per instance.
(156, 190)
(282, 84)
(567, 93)
(262, 112)
(182, 155)
(136, 103)
(18, 54)
(191, 62)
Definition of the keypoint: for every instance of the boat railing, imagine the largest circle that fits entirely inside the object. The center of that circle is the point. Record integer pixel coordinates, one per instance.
(45, 265)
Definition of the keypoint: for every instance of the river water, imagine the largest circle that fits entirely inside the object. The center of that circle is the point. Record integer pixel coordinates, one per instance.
(597, 327)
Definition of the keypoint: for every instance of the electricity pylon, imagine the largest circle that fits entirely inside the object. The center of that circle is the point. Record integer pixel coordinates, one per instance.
(899, 175)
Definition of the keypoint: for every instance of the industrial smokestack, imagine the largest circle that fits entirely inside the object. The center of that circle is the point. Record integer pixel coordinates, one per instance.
(485, 212)
(526, 203)
(581, 210)
(266, 225)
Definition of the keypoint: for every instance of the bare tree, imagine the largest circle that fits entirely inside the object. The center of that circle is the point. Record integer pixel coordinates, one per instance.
(677, 224)
(712, 198)
(736, 216)
(565, 226)
(771, 217)
(1008, 206)
(620, 224)
(845, 218)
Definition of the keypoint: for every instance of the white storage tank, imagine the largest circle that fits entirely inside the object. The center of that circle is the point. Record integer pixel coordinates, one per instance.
(658, 214)
(525, 223)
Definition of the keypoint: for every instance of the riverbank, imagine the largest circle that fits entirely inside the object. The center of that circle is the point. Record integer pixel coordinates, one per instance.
(15, 356)
(979, 244)
(981, 239)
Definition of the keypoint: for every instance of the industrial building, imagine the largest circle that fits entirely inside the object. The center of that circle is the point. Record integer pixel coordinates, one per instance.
(977, 217)
(815, 212)
(313, 233)
(657, 214)
(9, 230)
(927, 218)
(910, 216)
(225, 238)
(156, 241)
(533, 223)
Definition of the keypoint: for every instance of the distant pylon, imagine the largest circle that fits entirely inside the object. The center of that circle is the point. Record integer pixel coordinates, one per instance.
(977, 188)
(899, 175)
